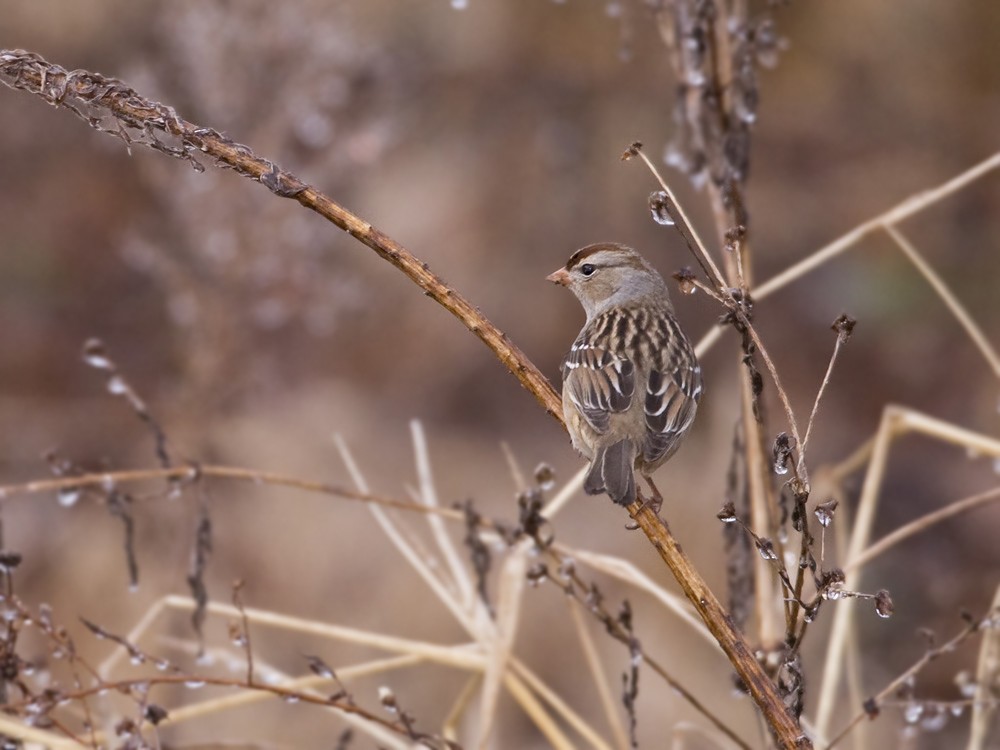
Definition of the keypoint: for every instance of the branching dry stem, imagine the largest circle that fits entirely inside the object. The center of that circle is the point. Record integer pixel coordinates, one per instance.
(147, 122)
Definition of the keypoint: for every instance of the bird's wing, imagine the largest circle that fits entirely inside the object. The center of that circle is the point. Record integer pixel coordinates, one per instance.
(598, 383)
(672, 392)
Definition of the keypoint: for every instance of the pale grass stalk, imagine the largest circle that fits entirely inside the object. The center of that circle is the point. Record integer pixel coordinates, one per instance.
(973, 442)
(625, 571)
(40, 737)
(854, 462)
(852, 647)
(512, 580)
(860, 533)
(305, 684)
(909, 207)
(984, 707)
(567, 493)
(520, 483)
(466, 656)
(135, 635)
(947, 296)
(922, 524)
(768, 604)
(688, 736)
(421, 566)
(428, 495)
(449, 729)
(598, 678)
(555, 701)
(536, 712)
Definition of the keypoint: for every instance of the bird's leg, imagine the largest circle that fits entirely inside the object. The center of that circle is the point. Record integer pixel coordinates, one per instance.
(654, 502)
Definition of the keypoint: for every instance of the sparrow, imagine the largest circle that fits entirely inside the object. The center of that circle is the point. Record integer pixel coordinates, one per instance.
(631, 382)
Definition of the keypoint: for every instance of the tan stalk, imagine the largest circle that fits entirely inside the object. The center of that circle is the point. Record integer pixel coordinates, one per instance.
(449, 729)
(950, 300)
(921, 525)
(512, 581)
(150, 123)
(420, 564)
(598, 677)
(428, 495)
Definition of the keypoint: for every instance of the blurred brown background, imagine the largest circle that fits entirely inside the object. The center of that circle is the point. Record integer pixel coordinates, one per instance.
(486, 141)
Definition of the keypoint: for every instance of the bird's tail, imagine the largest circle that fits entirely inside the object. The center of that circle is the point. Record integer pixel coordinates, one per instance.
(612, 471)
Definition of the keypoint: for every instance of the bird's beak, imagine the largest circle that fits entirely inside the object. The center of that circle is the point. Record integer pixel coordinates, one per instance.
(560, 277)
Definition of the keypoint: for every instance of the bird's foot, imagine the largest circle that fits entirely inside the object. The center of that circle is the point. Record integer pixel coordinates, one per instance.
(654, 502)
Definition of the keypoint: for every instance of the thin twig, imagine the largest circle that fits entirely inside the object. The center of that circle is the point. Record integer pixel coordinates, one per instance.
(843, 326)
(193, 473)
(950, 300)
(681, 222)
(920, 525)
(147, 122)
(901, 211)
(928, 656)
(898, 213)
(245, 625)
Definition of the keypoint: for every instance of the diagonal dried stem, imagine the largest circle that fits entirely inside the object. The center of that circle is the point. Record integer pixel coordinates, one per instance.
(141, 121)
(898, 213)
(920, 525)
(950, 300)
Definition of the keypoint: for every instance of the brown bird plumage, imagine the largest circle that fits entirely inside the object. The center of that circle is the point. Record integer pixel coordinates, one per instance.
(631, 383)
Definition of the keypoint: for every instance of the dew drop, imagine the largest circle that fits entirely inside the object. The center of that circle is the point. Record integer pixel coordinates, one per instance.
(659, 207)
(95, 355)
(766, 549)
(833, 593)
(935, 720)
(545, 476)
(966, 685)
(116, 385)
(68, 496)
(824, 512)
(883, 604)
(727, 514)
(913, 712)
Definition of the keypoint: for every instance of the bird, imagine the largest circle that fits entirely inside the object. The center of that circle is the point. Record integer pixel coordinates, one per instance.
(631, 381)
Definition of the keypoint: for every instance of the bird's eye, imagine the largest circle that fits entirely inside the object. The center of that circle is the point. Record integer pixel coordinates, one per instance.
(587, 269)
